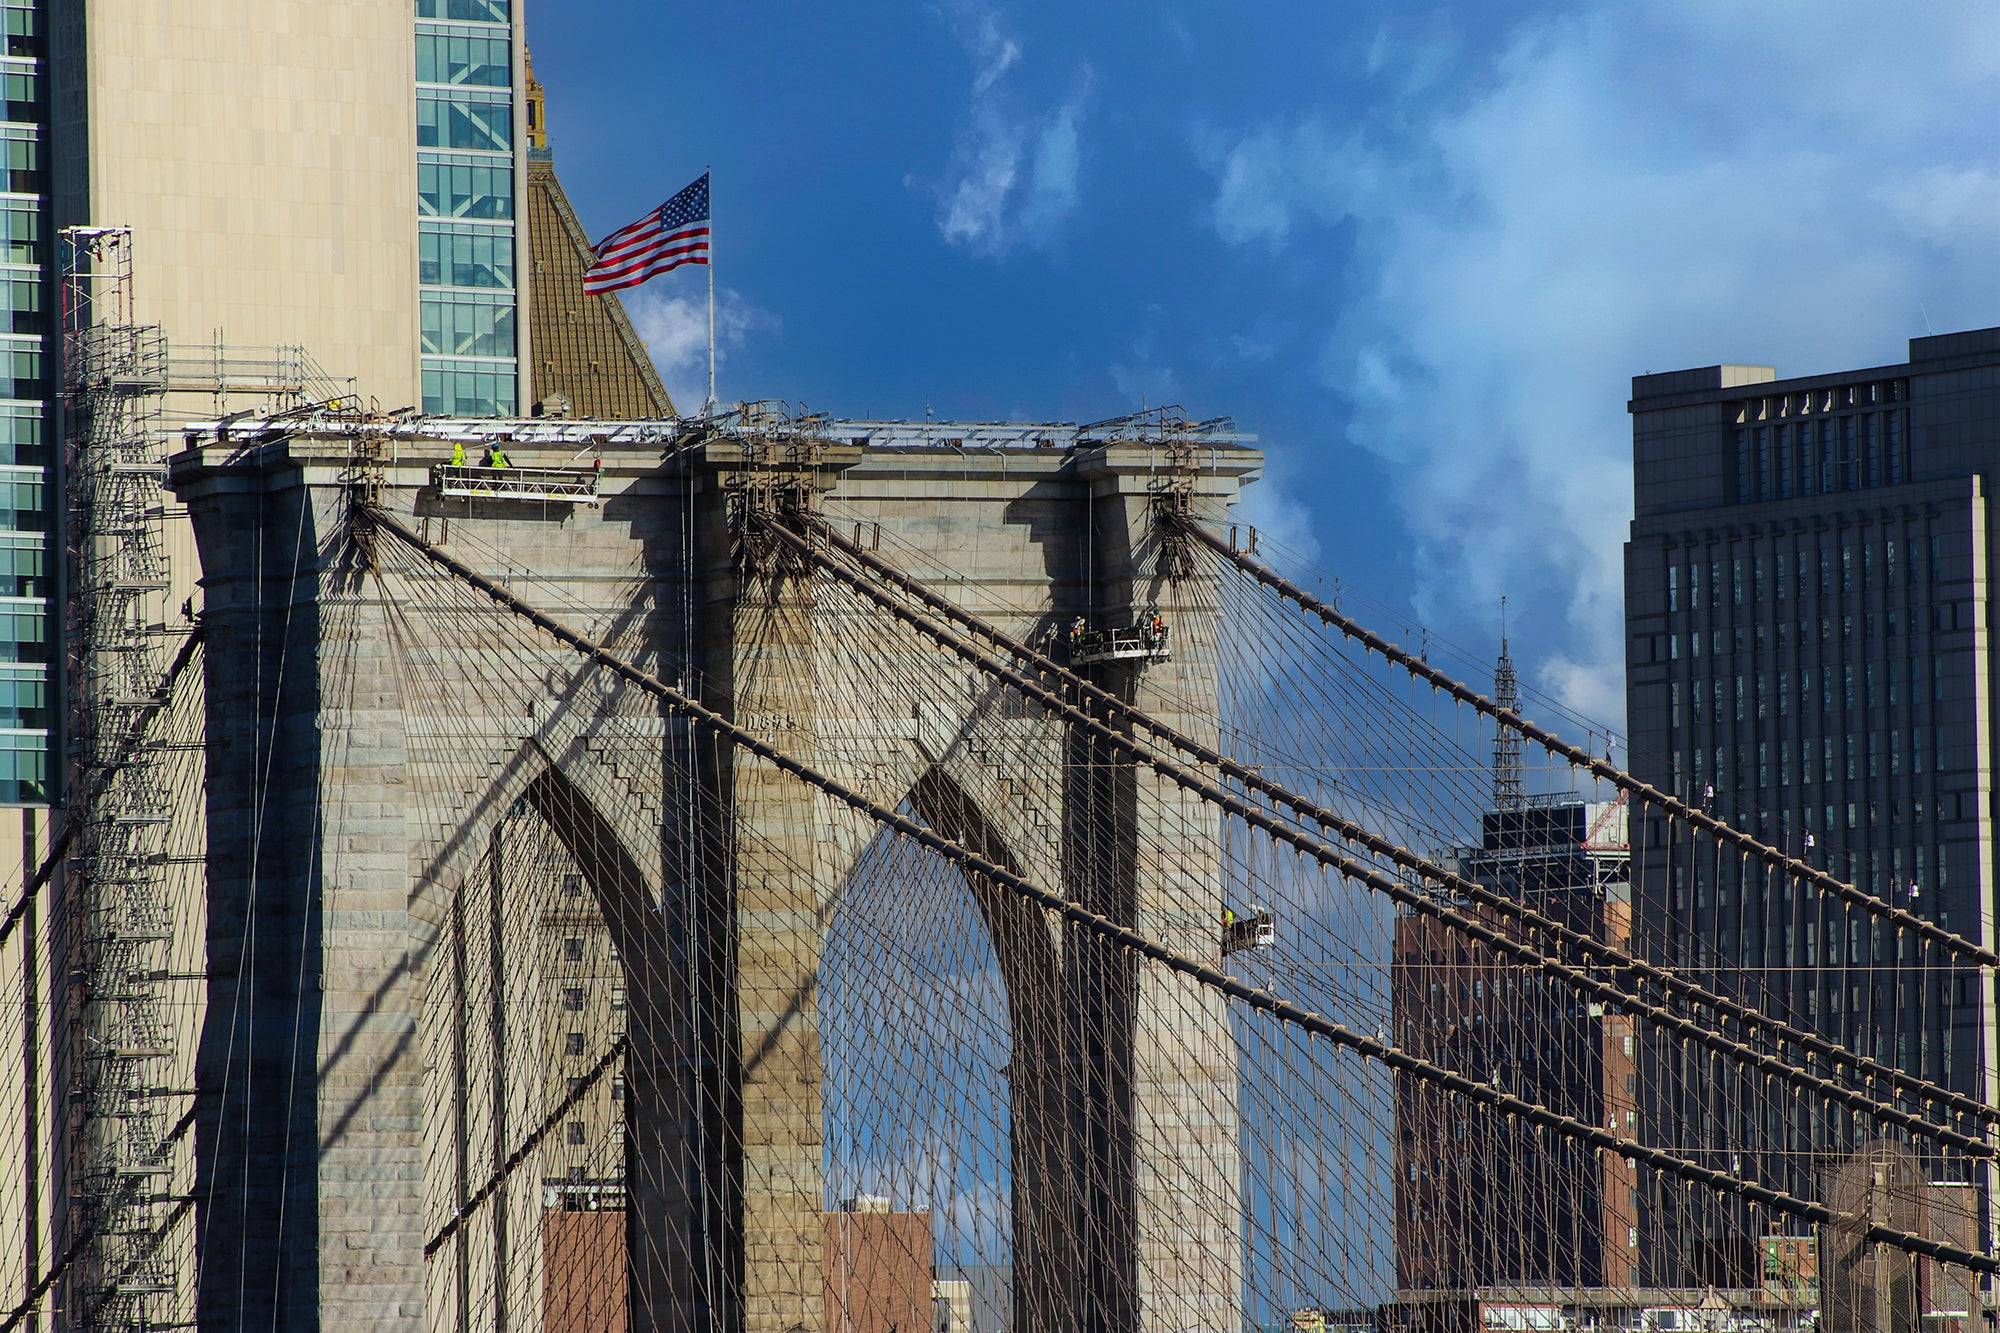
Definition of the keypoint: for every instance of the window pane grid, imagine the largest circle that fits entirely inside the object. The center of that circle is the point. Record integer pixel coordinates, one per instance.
(465, 256)
(472, 11)
(466, 119)
(468, 389)
(465, 188)
(464, 60)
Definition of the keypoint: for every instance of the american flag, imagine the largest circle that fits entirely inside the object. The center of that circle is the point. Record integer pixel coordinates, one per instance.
(673, 234)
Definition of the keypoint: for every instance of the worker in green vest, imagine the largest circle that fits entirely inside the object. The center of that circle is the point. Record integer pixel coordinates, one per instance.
(458, 453)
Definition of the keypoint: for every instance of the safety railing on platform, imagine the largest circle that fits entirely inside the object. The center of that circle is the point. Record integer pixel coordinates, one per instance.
(560, 485)
(1140, 644)
(1258, 930)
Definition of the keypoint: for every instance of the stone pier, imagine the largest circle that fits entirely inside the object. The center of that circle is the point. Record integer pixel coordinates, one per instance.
(346, 1139)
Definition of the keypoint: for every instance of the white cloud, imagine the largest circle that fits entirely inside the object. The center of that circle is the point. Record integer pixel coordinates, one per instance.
(1625, 188)
(1013, 175)
(675, 331)
(1284, 525)
(1143, 380)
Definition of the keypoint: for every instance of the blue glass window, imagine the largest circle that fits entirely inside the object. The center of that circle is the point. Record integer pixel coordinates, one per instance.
(22, 308)
(465, 188)
(469, 389)
(21, 158)
(23, 435)
(476, 61)
(465, 256)
(20, 232)
(23, 501)
(468, 320)
(24, 697)
(24, 768)
(469, 11)
(23, 567)
(24, 631)
(467, 324)
(20, 88)
(465, 118)
(21, 28)
(20, 371)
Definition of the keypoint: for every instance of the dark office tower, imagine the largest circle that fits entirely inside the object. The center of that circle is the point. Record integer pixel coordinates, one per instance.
(1486, 1201)
(1808, 617)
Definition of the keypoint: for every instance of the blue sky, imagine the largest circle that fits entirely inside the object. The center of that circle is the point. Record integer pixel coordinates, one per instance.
(1420, 251)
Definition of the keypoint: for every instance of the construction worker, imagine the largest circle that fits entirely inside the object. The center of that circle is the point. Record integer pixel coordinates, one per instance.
(500, 458)
(458, 453)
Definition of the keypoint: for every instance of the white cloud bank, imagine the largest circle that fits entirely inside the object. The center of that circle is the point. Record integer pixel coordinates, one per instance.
(675, 331)
(1013, 176)
(1626, 188)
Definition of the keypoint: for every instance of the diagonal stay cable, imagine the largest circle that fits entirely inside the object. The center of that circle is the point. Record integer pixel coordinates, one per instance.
(1668, 979)
(1400, 1061)
(1425, 902)
(162, 700)
(89, 1234)
(1720, 830)
(579, 1089)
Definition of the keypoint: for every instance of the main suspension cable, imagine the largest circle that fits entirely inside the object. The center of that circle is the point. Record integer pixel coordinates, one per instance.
(1380, 1050)
(1701, 820)
(1667, 979)
(1427, 903)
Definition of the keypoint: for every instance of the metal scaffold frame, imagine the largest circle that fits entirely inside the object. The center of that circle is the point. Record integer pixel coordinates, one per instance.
(778, 471)
(119, 804)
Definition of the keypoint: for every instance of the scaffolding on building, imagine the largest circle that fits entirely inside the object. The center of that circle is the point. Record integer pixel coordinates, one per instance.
(774, 452)
(120, 1158)
(284, 378)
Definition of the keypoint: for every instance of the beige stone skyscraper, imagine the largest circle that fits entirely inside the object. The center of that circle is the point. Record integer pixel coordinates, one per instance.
(324, 197)
(265, 156)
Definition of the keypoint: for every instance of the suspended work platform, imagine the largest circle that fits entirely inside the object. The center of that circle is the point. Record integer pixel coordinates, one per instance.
(1259, 930)
(561, 485)
(1142, 643)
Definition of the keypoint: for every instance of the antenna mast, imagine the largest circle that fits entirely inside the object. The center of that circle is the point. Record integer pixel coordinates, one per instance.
(1509, 793)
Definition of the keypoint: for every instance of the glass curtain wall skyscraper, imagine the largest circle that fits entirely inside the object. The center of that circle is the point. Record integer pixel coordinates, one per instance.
(469, 173)
(26, 495)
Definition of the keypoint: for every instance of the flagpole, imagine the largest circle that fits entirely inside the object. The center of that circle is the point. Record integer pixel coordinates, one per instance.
(710, 171)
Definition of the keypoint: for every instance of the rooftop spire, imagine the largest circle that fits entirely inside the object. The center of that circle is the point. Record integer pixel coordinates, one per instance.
(538, 124)
(1508, 792)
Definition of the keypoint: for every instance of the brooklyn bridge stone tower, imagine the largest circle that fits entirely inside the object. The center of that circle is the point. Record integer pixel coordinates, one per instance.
(358, 1145)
